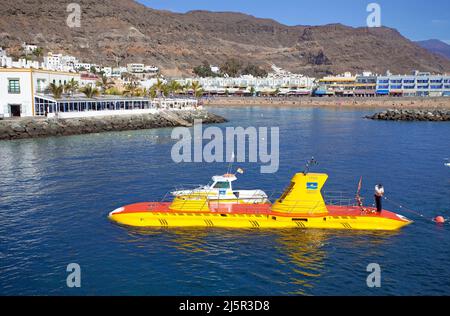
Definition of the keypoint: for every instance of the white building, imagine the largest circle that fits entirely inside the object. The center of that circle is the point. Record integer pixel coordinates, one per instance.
(118, 71)
(135, 68)
(215, 69)
(5, 61)
(151, 69)
(29, 48)
(27, 64)
(60, 62)
(80, 66)
(289, 84)
(19, 87)
(107, 71)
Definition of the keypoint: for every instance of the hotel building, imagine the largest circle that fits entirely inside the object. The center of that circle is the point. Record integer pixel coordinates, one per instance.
(417, 84)
(248, 85)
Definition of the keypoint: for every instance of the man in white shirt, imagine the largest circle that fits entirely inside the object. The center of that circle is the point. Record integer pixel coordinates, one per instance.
(379, 193)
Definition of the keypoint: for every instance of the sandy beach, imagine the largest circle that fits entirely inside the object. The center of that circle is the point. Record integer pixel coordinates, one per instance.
(376, 102)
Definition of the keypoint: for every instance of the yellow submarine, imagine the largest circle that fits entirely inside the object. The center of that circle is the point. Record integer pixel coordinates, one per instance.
(301, 205)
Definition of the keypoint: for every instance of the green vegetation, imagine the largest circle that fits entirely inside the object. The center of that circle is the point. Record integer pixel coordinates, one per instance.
(104, 83)
(132, 89)
(232, 67)
(204, 71)
(56, 90)
(71, 87)
(90, 91)
(254, 70)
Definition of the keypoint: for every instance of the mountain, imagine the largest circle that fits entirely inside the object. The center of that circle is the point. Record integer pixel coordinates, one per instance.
(436, 46)
(125, 31)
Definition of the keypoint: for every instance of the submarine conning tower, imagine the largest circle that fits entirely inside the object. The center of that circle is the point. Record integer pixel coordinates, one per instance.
(303, 195)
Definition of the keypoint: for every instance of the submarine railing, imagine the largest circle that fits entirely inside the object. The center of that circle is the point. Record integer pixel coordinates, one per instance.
(332, 198)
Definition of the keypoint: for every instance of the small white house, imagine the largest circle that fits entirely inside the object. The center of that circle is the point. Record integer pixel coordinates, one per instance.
(18, 88)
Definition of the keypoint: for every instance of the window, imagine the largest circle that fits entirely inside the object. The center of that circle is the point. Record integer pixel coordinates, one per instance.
(14, 86)
(222, 185)
(41, 86)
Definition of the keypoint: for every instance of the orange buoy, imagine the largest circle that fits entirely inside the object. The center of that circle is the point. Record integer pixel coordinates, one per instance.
(439, 220)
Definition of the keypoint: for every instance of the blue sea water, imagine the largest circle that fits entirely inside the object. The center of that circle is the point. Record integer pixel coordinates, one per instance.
(55, 194)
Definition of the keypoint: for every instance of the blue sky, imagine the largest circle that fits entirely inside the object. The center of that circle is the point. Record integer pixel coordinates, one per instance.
(415, 19)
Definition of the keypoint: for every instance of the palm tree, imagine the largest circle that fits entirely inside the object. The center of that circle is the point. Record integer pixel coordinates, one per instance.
(104, 83)
(56, 90)
(153, 93)
(197, 89)
(71, 86)
(113, 91)
(165, 90)
(174, 87)
(132, 89)
(185, 88)
(90, 91)
(38, 52)
(159, 87)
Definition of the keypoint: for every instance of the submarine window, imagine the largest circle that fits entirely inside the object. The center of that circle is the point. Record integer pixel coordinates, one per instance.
(286, 192)
(299, 219)
(222, 185)
(223, 215)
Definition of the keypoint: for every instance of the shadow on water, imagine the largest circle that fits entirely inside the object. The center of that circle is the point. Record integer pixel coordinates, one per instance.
(294, 260)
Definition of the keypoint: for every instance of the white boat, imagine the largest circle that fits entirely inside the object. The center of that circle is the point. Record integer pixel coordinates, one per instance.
(221, 190)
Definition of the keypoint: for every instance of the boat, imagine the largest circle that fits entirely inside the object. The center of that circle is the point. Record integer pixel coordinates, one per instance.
(301, 205)
(221, 191)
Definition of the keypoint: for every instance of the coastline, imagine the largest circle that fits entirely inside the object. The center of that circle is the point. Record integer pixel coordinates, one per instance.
(46, 127)
(334, 102)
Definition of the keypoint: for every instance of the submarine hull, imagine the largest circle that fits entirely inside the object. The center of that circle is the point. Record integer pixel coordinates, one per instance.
(155, 214)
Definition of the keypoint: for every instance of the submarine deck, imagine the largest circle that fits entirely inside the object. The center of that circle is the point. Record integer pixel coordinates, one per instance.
(255, 209)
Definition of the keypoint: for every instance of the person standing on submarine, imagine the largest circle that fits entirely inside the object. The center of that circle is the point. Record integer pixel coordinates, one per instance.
(379, 193)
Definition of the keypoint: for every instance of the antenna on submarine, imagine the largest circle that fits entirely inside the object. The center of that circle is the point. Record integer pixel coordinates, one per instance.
(309, 164)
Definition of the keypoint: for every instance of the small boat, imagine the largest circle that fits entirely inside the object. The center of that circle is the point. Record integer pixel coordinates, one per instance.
(221, 191)
(301, 205)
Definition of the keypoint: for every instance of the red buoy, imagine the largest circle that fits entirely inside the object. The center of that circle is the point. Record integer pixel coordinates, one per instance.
(439, 220)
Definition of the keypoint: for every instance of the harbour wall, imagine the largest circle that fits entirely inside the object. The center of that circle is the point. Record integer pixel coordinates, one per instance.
(334, 102)
(412, 115)
(44, 127)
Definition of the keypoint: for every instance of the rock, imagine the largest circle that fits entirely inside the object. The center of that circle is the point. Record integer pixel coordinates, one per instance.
(39, 127)
(411, 115)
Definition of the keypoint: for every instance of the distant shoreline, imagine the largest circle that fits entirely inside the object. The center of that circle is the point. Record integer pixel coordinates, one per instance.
(334, 102)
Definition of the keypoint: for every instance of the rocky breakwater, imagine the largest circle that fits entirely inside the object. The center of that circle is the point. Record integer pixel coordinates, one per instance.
(412, 115)
(44, 127)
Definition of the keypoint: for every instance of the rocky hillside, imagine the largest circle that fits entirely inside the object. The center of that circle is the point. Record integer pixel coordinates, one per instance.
(436, 46)
(124, 31)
